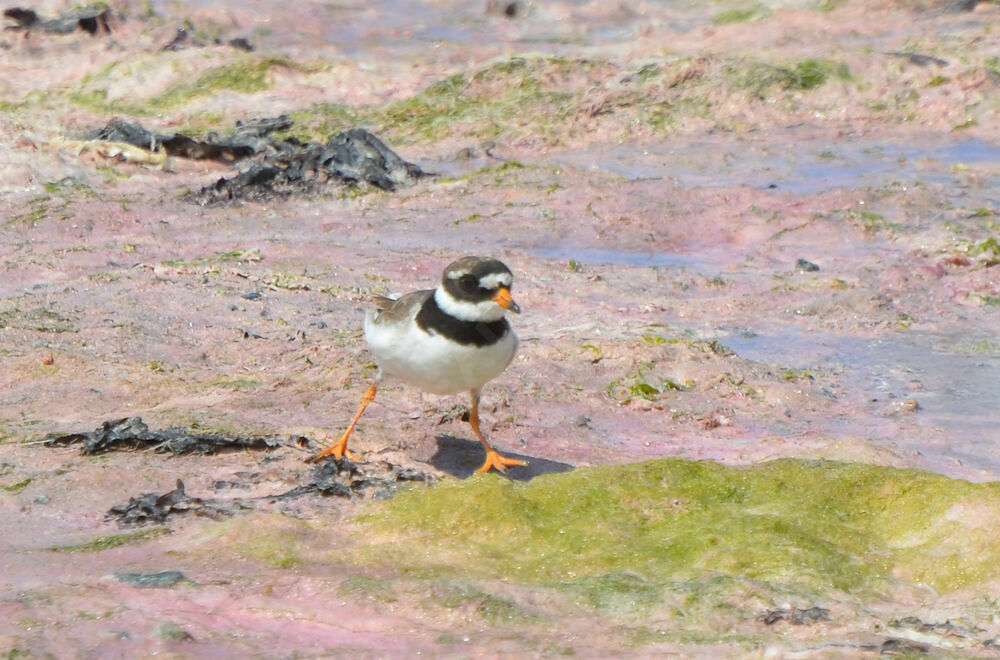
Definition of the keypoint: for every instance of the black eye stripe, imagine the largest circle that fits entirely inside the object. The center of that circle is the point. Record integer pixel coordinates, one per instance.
(476, 286)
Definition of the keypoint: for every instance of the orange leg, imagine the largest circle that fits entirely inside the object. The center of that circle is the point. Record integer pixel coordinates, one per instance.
(339, 449)
(493, 459)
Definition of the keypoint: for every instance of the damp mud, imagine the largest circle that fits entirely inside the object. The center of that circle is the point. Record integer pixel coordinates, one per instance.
(757, 249)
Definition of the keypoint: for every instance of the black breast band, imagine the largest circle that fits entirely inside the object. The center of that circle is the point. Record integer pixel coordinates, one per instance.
(434, 320)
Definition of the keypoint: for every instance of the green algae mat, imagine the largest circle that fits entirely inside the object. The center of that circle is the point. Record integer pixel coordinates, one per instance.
(672, 554)
(809, 525)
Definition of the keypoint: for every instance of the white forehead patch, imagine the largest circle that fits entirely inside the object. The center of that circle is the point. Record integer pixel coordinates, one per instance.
(495, 281)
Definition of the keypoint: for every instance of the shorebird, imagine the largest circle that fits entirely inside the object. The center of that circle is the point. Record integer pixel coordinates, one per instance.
(446, 340)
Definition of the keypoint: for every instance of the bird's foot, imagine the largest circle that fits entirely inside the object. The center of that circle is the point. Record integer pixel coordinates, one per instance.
(495, 460)
(338, 450)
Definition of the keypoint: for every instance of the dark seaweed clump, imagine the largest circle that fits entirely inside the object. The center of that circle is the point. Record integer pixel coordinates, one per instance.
(278, 166)
(795, 615)
(153, 508)
(132, 433)
(92, 19)
(344, 478)
(332, 478)
(161, 580)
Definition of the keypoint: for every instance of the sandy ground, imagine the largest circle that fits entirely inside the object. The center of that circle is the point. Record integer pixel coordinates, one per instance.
(665, 310)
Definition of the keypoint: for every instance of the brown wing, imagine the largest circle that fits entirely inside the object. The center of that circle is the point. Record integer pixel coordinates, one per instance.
(401, 309)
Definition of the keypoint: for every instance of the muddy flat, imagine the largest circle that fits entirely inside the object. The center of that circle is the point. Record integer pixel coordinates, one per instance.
(758, 388)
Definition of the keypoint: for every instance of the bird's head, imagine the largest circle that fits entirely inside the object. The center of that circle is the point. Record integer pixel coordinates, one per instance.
(477, 289)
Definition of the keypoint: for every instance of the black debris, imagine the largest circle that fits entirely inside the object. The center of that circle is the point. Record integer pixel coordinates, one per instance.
(958, 6)
(290, 167)
(919, 59)
(340, 479)
(719, 348)
(155, 509)
(278, 167)
(248, 139)
(772, 616)
(505, 8)
(947, 628)
(132, 433)
(251, 479)
(186, 37)
(182, 38)
(162, 580)
(805, 266)
(345, 478)
(241, 43)
(903, 647)
(357, 155)
(91, 19)
(795, 615)
(23, 18)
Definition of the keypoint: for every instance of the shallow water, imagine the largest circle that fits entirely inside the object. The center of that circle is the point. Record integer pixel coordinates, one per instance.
(857, 166)
(806, 167)
(369, 30)
(618, 257)
(955, 381)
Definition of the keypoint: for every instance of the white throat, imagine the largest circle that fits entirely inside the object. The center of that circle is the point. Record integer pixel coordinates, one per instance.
(484, 312)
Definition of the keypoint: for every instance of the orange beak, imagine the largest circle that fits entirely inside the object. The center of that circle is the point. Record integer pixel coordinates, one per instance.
(504, 300)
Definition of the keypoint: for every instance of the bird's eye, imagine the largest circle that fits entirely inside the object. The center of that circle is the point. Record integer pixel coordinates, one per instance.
(468, 283)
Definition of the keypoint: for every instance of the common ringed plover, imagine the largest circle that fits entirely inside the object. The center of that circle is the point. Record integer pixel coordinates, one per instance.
(446, 340)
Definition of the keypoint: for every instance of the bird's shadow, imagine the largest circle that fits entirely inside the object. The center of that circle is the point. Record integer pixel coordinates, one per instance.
(461, 458)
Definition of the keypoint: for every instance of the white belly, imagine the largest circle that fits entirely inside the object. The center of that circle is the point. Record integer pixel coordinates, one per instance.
(433, 363)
